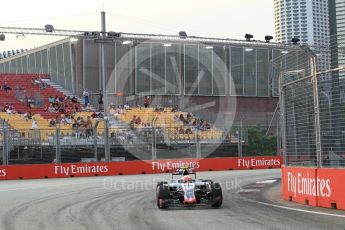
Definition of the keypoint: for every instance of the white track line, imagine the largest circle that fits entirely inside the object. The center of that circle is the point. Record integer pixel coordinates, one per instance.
(266, 182)
(249, 190)
(300, 210)
(45, 186)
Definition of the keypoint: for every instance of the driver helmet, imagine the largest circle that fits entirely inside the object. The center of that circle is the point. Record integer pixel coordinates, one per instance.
(187, 178)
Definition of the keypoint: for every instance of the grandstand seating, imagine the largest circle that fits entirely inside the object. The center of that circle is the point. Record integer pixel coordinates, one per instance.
(43, 131)
(24, 81)
(23, 125)
(166, 121)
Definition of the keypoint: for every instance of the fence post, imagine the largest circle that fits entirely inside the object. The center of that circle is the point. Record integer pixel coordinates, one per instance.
(278, 140)
(154, 149)
(106, 140)
(240, 138)
(197, 141)
(58, 150)
(316, 113)
(94, 134)
(282, 118)
(5, 146)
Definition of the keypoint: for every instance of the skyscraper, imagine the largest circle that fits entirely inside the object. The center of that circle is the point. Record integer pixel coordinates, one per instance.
(307, 20)
(337, 32)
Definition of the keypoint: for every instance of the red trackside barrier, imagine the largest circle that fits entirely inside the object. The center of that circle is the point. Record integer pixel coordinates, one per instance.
(15, 172)
(323, 187)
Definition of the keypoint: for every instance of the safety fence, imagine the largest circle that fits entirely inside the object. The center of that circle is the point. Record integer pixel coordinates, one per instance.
(312, 102)
(312, 106)
(108, 141)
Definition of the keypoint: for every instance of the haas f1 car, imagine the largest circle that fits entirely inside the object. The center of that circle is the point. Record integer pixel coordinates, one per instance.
(184, 191)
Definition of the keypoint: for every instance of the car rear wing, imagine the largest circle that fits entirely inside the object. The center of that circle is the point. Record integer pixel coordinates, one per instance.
(181, 172)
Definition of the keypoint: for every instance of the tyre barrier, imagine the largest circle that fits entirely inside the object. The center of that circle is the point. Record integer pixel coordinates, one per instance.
(319, 187)
(41, 171)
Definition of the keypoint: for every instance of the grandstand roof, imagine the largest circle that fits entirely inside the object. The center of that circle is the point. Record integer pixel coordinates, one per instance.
(137, 36)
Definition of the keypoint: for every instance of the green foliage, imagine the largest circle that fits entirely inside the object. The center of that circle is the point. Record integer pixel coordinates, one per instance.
(259, 143)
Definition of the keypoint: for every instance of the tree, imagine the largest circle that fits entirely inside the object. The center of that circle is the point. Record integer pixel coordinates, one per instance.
(259, 143)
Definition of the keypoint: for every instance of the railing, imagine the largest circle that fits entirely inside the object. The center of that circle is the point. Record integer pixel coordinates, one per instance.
(114, 140)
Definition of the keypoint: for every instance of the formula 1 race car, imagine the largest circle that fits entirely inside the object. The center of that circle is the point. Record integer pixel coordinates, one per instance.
(187, 191)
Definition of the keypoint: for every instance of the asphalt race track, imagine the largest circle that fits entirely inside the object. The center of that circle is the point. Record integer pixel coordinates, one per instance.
(128, 202)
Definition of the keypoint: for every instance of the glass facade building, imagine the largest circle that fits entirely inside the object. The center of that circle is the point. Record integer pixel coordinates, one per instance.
(156, 66)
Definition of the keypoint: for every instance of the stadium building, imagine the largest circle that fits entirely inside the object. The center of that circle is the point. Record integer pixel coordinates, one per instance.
(224, 77)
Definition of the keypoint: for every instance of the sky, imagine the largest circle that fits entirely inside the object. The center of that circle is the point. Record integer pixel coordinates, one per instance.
(216, 18)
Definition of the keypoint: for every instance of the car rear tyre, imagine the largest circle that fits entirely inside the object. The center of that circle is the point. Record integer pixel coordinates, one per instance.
(217, 195)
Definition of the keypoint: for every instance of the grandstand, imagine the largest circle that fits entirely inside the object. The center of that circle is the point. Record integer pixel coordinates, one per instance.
(20, 117)
(200, 90)
(236, 74)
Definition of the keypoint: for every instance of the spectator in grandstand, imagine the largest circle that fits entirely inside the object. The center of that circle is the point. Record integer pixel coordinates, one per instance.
(10, 110)
(183, 119)
(34, 124)
(146, 102)
(27, 115)
(111, 110)
(52, 123)
(51, 109)
(207, 125)
(188, 131)
(82, 127)
(35, 81)
(174, 109)
(74, 99)
(62, 108)
(126, 106)
(138, 121)
(43, 85)
(96, 115)
(63, 120)
(79, 121)
(176, 118)
(88, 127)
(6, 87)
(86, 97)
(31, 101)
(51, 100)
(75, 124)
(118, 112)
(159, 109)
(5, 107)
(176, 130)
(132, 122)
(69, 119)
(61, 99)
(100, 100)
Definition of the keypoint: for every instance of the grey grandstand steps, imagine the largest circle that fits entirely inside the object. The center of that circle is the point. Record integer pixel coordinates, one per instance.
(61, 89)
